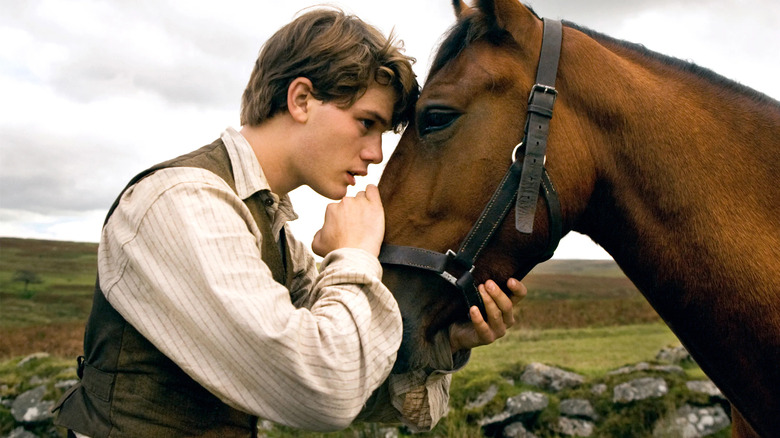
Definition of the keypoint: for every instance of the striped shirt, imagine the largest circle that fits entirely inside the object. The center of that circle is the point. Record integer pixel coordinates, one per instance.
(180, 260)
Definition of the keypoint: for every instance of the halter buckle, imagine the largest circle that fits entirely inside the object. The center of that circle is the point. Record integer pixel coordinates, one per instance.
(546, 89)
(451, 256)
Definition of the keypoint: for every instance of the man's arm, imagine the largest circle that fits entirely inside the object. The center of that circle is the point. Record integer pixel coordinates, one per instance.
(420, 398)
(180, 260)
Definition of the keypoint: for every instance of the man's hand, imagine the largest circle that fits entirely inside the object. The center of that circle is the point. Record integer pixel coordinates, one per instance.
(499, 309)
(357, 222)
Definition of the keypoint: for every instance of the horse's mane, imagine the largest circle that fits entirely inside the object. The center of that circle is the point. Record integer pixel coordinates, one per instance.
(466, 31)
(478, 26)
(680, 64)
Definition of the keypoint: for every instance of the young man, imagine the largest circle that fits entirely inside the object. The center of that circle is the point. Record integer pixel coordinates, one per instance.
(209, 314)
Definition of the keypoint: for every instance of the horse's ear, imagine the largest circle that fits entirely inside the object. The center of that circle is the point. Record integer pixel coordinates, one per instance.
(488, 8)
(460, 7)
(510, 15)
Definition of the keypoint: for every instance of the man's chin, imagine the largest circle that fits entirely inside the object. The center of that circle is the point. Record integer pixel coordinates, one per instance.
(334, 194)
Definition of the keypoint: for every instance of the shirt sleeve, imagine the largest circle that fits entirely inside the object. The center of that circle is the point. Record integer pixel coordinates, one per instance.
(306, 271)
(420, 398)
(180, 261)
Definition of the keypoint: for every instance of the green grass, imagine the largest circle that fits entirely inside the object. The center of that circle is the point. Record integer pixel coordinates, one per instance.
(66, 271)
(580, 315)
(587, 351)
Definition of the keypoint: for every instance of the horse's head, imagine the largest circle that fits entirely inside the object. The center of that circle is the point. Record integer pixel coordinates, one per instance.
(469, 118)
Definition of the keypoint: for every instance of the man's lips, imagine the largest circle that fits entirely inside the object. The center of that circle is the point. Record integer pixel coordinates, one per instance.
(357, 172)
(352, 174)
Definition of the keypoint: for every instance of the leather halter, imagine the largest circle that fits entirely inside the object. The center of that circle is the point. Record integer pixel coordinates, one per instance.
(522, 183)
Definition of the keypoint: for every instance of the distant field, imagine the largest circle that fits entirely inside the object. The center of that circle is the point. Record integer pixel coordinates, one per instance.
(49, 315)
(582, 315)
(63, 273)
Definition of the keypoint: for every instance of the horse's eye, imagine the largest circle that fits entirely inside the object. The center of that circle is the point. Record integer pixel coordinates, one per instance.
(435, 119)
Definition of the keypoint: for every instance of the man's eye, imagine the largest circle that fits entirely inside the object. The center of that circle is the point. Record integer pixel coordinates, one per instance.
(435, 119)
(368, 123)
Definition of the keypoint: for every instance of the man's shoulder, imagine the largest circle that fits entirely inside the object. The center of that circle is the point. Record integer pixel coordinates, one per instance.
(172, 183)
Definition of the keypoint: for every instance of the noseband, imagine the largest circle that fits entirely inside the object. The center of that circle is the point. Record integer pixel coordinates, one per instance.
(522, 184)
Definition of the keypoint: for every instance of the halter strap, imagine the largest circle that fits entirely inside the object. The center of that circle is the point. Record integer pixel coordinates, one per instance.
(522, 182)
(537, 125)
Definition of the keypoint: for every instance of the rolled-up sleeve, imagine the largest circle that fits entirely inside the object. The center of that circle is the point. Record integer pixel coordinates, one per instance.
(420, 398)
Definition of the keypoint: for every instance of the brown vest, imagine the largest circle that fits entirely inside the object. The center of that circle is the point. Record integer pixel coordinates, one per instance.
(128, 387)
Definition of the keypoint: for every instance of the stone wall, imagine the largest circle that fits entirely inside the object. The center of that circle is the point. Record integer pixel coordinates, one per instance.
(645, 399)
(638, 400)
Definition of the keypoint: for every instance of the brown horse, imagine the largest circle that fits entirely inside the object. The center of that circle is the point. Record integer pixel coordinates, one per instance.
(670, 167)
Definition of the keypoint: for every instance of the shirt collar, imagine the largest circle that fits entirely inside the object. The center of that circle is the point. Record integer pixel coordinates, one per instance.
(248, 174)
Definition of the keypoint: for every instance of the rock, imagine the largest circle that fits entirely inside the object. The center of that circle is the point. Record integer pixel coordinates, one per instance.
(388, 432)
(691, 422)
(641, 366)
(31, 408)
(37, 381)
(483, 398)
(550, 378)
(520, 407)
(490, 423)
(574, 427)
(527, 403)
(704, 386)
(644, 366)
(21, 432)
(265, 425)
(671, 369)
(30, 358)
(674, 355)
(598, 389)
(578, 408)
(640, 389)
(517, 430)
(65, 384)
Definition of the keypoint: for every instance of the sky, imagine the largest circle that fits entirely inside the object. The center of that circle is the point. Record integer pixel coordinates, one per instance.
(92, 92)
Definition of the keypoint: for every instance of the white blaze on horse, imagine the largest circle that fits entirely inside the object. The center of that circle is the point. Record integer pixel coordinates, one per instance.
(670, 167)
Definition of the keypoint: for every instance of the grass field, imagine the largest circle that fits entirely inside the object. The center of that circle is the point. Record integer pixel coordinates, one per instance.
(579, 315)
(49, 315)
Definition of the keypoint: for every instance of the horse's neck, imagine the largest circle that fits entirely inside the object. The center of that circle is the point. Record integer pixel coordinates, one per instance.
(685, 199)
(686, 196)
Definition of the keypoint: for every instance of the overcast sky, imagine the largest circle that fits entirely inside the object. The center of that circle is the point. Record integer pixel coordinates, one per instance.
(91, 92)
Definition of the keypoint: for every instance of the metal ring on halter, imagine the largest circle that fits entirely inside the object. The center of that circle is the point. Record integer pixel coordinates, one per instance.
(514, 151)
(519, 145)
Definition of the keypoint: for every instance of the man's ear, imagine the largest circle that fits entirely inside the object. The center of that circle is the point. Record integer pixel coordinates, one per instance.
(299, 96)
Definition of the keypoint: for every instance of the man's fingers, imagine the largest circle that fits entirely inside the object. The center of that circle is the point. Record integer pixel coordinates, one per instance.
(372, 193)
(492, 311)
(481, 328)
(518, 290)
(504, 315)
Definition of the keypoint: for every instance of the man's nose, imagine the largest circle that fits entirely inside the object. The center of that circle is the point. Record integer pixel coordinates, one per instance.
(372, 152)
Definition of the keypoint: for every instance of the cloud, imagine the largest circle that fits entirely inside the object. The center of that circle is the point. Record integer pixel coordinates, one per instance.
(94, 92)
(87, 51)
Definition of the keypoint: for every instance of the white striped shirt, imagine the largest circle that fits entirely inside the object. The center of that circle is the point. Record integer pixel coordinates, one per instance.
(180, 260)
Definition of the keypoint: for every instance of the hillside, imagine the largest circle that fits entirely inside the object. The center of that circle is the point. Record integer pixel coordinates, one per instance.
(48, 313)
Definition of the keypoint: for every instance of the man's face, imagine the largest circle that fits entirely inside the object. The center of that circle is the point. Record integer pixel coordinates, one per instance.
(342, 142)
